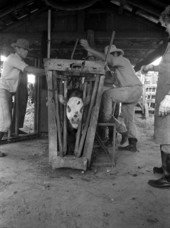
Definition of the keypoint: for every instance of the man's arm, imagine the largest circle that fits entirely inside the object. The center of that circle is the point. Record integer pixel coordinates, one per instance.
(34, 70)
(86, 46)
(150, 67)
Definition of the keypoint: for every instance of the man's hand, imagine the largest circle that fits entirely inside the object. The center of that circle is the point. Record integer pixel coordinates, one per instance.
(164, 107)
(145, 69)
(85, 44)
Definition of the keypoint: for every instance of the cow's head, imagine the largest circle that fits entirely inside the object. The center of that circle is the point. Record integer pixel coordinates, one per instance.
(74, 106)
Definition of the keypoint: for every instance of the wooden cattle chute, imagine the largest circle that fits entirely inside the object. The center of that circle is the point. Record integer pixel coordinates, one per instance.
(62, 74)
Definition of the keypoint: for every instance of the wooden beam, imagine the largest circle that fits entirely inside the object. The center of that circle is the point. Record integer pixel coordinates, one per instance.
(63, 36)
(146, 7)
(151, 56)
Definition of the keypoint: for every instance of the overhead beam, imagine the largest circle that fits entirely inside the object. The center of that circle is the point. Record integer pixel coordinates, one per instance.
(152, 56)
(144, 7)
(104, 36)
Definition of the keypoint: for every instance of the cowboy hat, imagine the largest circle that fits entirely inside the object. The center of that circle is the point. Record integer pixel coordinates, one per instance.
(113, 49)
(22, 43)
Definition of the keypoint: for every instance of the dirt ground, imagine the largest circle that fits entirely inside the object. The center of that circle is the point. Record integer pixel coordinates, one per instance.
(32, 195)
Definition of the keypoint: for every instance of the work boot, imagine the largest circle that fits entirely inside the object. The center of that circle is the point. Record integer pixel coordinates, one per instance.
(163, 182)
(132, 145)
(124, 137)
(1, 153)
(158, 170)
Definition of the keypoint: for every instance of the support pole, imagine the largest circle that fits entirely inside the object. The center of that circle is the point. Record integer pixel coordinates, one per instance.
(49, 34)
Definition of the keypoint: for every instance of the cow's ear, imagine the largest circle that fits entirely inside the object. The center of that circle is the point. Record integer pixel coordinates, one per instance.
(87, 100)
(61, 99)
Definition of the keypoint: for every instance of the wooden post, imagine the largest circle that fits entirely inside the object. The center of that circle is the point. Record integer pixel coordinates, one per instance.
(84, 132)
(88, 147)
(52, 128)
(49, 34)
(57, 115)
(78, 135)
(65, 121)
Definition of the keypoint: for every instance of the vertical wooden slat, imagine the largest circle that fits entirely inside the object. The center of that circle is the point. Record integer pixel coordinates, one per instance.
(57, 115)
(88, 147)
(78, 135)
(36, 104)
(52, 128)
(84, 132)
(65, 121)
(49, 34)
(61, 106)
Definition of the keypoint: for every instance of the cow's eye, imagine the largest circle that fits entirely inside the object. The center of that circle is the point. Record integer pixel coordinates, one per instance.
(78, 102)
(68, 109)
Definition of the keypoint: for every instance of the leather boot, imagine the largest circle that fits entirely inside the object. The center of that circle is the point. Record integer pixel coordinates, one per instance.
(158, 170)
(1, 153)
(132, 145)
(163, 182)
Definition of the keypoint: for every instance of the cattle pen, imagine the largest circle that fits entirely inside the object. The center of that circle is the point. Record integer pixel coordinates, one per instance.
(85, 75)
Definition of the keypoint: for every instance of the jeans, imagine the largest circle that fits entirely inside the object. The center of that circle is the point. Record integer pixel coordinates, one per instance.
(129, 97)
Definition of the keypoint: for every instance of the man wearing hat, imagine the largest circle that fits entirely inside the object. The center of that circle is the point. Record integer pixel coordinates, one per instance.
(9, 81)
(127, 91)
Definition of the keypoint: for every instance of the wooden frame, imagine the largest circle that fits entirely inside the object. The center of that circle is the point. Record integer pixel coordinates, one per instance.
(91, 73)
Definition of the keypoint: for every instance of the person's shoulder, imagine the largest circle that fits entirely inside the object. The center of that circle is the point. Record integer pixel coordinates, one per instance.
(11, 56)
(126, 59)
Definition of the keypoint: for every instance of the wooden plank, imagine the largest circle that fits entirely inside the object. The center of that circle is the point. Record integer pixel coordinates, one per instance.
(85, 129)
(52, 128)
(88, 147)
(79, 131)
(65, 65)
(65, 122)
(70, 162)
(57, 115)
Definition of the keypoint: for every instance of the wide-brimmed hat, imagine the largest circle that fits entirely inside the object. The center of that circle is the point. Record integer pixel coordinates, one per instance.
(22, 43)
(113, 49)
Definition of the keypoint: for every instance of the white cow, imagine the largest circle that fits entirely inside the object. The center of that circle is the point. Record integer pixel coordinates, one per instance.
(74, 111)
(74, 106)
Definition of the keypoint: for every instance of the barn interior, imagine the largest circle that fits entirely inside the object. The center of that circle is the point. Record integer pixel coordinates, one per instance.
(33, 194)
